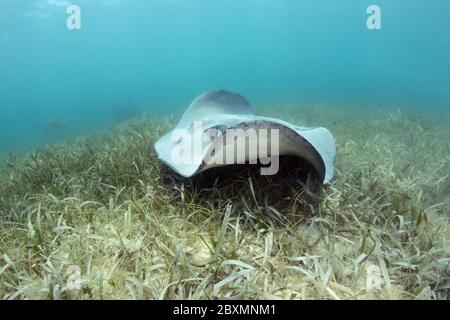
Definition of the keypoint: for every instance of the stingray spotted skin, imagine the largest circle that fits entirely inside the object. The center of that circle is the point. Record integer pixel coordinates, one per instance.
(227, 110)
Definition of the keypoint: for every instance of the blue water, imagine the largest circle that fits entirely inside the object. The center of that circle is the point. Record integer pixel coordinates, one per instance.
(159, 54)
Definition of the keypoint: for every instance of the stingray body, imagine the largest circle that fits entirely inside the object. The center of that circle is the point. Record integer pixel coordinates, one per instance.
(215, 113)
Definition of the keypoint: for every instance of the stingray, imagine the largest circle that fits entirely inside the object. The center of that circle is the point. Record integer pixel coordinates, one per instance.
(220, 128)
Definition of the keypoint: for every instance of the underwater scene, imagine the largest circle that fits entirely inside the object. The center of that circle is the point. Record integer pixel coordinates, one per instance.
(226, 149)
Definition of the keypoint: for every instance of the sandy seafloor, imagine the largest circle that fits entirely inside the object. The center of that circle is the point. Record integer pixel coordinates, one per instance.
(98, 217)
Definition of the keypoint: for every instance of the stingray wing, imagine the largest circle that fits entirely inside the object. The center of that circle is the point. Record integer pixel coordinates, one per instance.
(215, 102)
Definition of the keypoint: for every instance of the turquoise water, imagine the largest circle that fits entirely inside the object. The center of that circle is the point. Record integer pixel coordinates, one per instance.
(157, 55)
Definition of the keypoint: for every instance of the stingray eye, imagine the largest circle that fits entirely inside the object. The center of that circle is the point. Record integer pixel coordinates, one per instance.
(212, 134)
(215, 133)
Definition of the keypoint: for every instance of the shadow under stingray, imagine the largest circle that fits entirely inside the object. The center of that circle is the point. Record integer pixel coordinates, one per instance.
(291, 194)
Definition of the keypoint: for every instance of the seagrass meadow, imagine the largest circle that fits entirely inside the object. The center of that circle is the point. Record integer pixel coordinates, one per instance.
(98, 217)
